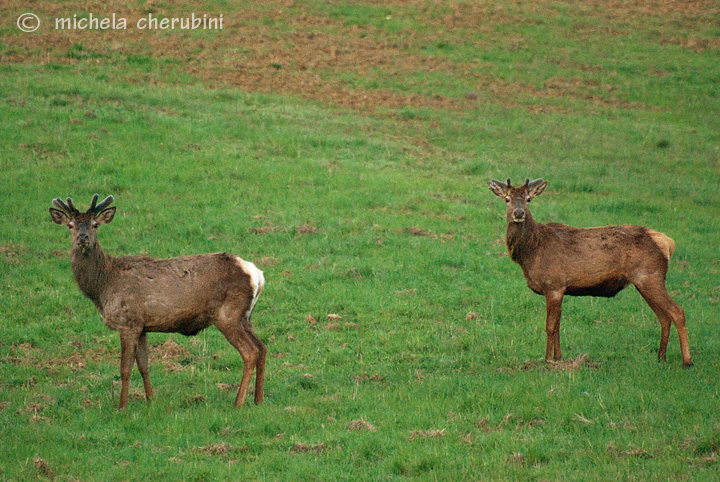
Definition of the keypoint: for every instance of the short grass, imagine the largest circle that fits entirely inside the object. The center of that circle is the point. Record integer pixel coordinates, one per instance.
(375, 210)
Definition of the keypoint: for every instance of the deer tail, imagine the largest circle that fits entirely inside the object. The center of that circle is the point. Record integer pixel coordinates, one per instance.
(664, 242)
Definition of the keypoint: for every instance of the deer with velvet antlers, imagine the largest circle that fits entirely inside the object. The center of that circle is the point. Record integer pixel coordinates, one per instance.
(559, 260)
(136, 295)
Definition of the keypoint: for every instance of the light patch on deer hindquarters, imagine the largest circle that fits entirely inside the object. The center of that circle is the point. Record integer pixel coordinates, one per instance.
(664, 242)
(257, 280)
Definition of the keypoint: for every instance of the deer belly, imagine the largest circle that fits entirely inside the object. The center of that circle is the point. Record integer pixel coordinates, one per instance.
(159, 316)
(607, 288)
(189, 326)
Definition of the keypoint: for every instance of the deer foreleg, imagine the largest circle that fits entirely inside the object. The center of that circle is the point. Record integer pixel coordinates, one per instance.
(128, 349)
(141, 356)
(553, 301)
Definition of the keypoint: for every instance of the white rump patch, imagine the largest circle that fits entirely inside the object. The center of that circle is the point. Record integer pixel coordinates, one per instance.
(665, 243)
(257, 281)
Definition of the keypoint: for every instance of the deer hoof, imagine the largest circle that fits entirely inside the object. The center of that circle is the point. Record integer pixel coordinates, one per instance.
(687, 365)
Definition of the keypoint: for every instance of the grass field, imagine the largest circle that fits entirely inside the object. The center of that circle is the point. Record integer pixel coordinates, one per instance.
(344, 147)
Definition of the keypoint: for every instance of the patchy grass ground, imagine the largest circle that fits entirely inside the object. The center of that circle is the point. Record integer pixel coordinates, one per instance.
(344, 147)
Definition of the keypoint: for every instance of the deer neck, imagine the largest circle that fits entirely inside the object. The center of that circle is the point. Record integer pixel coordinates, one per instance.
(91, 267)
(522, 239)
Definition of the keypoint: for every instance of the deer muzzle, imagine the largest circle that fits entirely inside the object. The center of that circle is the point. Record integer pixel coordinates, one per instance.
(518, 215)
(83, 240)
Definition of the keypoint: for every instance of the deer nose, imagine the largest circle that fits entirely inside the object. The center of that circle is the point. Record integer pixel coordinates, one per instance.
(518, 214)
(82, 238)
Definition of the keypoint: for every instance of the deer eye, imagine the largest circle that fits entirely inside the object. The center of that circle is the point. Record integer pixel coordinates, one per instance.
(507, 199)
(95, 224)
(529, 199)
(70, 225)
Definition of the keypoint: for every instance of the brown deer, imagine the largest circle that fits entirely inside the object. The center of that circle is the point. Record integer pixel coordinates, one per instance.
(559, 260)
(136, 295)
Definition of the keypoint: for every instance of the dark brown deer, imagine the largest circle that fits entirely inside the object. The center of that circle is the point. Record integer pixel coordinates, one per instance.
(136, 295)
(559, 260)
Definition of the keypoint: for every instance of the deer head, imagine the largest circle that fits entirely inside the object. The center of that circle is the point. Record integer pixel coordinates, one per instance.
(83, 226)
(517, 198)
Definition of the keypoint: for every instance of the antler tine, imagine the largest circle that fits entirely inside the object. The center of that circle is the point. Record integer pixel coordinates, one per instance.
(508, 182)
(58, 203)
(105, 203)
(71, 206)
(527, 181)
(93, 203)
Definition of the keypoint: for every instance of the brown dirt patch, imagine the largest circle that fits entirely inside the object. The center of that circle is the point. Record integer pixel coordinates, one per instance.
(571, 364)
(361, 425)
(222, 449)
(306, 229)
(485, 426)
(43, 467)
(435, 433)
(168, 351)
(415, 231)
(365, 378)
(172, 355)
(265, 229)
(300, 447)
(26, 354)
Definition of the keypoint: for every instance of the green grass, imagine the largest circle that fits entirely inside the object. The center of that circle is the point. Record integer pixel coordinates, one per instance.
(406, 240)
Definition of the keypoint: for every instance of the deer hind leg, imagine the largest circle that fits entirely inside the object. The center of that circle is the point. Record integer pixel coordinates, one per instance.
(553, 301)
(236, 333)
(260, 365)
(656, 295)
(141, 357)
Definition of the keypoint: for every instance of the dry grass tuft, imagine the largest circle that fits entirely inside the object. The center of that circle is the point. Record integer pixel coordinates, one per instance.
(577, 363)
(169, 350)
(365, 377)
(361, 425)
(306, 229)
(43, 467)
(435, 433)
(300, 447)
(582, 419)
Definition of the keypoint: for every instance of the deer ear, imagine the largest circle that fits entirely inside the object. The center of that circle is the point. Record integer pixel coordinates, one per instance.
(499, 188)
(59, 217)
(106, 216)
(536, 187)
